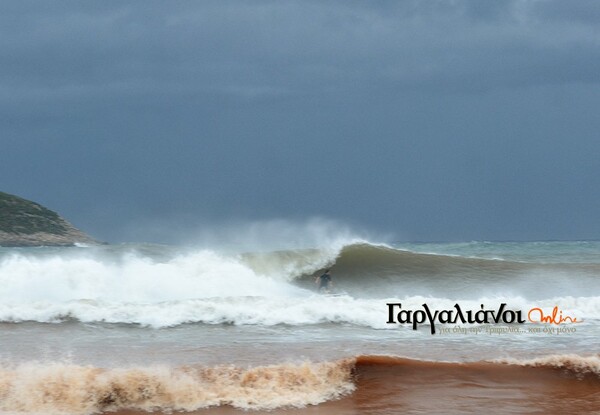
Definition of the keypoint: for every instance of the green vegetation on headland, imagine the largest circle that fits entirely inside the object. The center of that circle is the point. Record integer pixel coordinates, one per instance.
(26, 223)
(18, 215)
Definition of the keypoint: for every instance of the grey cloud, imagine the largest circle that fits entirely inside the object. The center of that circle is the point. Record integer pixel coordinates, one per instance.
(440, 119)
(294, 45)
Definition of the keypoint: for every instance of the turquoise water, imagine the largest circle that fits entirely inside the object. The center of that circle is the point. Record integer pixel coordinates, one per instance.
(549, 252)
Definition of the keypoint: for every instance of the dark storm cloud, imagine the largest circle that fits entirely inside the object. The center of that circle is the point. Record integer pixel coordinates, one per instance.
(263, 48)
(400, 114)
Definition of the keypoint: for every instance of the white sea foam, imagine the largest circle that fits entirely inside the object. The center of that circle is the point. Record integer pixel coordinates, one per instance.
(575, 363)
(58, 388)
(132, 279)
(292, 310)
(213, 288)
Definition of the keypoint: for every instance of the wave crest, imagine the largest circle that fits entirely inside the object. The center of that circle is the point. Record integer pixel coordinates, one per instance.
(71, 389)
(58, 388)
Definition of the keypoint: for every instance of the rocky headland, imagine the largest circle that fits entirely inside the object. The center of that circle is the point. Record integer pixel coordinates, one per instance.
(26, 223)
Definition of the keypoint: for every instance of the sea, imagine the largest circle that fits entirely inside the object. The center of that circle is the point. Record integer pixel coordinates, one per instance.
(406, 328)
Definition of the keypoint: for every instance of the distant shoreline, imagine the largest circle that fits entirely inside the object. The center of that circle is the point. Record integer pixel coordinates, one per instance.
(24, 223)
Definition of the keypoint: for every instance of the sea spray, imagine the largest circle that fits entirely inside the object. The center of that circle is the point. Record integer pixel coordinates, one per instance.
(59, 388)
(165, 286)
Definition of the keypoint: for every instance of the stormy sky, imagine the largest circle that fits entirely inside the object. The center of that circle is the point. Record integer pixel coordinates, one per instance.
(429, 120)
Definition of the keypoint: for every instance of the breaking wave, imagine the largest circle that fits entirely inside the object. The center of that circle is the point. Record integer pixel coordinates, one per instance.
(60, 388)
(162, 288)
(71, 389)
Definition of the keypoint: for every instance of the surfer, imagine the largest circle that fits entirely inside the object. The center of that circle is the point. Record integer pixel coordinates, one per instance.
(324, 282)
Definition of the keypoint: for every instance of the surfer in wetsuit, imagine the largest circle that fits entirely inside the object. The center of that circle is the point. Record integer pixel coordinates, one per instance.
(324, 282)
